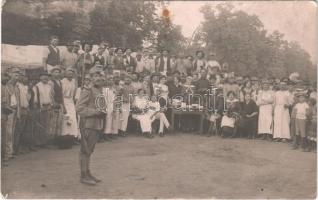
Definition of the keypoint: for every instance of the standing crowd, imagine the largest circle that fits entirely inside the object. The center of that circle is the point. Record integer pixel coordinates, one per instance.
(85, 97)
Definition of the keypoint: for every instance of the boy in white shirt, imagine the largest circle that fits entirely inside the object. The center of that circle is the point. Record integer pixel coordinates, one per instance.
(301, 111)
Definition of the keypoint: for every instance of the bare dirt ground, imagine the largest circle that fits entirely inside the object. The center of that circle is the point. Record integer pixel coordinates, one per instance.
(176, 166)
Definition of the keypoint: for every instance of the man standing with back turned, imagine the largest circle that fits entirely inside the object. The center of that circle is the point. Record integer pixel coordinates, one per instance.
(92, 122)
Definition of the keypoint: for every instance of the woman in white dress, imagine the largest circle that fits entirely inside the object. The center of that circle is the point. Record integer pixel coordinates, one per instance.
(283, 99)
(141, 112)
(70, 129)
(265, 101)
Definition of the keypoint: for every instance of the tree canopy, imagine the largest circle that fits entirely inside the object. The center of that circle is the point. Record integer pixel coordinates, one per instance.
(241, 40)
(121, 23)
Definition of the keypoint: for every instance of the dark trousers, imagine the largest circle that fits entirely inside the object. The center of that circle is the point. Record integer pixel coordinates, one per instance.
(20, 131)
(88, 141)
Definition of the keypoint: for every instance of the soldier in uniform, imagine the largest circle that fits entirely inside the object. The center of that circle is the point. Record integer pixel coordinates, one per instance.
(92, 122)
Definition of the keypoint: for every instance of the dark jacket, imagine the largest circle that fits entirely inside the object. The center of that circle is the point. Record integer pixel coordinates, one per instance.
(86, 107)
(160, 64)
(132, 62)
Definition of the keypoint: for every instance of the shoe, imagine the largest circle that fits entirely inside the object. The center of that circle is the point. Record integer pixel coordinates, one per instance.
(268, 138)
(88, 181)
(263, 137)
(93, 177)
(114, 136)
(32, 149)
(150, 135)
(102, 140)
(294, 147)
(123, 134)
(305, 150)
(107, 138)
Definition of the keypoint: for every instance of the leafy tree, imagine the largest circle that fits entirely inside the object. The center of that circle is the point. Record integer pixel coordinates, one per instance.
(241, 40)
(121, 23)
(169, 36)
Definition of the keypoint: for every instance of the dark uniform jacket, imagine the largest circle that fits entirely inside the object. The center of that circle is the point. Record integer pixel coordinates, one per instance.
(86, 107)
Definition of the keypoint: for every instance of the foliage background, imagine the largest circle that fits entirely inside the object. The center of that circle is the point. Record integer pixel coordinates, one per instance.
(235, 36)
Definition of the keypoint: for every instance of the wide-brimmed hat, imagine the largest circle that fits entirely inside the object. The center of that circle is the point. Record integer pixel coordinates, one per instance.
(70, 69)
(55, 68)
(155, 74)
(95, 70)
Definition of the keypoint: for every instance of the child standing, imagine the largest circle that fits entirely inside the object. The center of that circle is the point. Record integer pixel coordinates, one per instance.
(301, 111)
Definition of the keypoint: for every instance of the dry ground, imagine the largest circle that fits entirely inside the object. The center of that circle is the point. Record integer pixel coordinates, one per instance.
(176, 166)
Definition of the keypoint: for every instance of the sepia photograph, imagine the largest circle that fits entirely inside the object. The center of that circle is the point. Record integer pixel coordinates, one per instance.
(136, 99)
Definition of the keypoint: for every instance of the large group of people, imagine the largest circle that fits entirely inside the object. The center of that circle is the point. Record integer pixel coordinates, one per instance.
(83, 98)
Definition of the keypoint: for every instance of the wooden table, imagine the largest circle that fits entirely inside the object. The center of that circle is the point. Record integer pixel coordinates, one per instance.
(175, 112)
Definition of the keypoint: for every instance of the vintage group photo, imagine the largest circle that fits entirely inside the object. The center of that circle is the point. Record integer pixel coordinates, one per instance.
(120, 99)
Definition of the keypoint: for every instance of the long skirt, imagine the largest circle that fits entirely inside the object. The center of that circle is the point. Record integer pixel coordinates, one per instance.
(281, 122)
(265, 119)
(69, 124)
(112, 122)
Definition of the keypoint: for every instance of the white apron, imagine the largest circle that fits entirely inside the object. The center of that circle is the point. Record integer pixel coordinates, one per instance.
(112, 118)
(281, 115)
(70, 125)
(265, 118)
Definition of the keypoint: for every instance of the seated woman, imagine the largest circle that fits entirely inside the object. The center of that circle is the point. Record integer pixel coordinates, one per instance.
(249, 115)
(157, 112)
(140, 112)
(231, 115)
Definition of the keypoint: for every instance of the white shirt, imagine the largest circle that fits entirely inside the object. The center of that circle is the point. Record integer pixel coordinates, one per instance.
(141, 103)
(24, 95)
(301, 110)
(214, 63)
(165, 64)
(140, 66)
(45, 93)
(68, 88)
